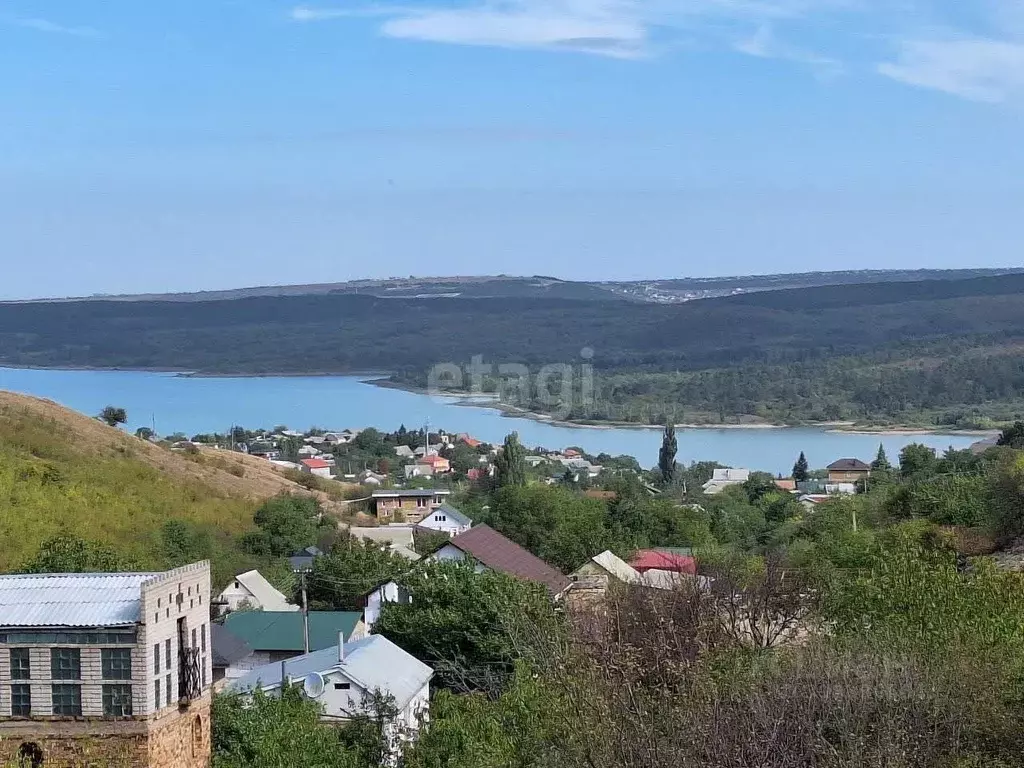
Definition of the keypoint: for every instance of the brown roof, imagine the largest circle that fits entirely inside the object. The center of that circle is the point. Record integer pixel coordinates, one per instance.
(848, 465)
(492, 549)
(602, 495)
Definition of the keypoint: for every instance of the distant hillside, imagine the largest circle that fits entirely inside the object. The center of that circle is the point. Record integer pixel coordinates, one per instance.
(930, 345)
(63, 472)
(661, 291)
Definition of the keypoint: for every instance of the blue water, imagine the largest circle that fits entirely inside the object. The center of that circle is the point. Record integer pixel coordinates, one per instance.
(193, 405)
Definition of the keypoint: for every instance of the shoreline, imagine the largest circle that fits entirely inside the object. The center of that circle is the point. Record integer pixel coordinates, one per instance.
(491, 401)
(831, 427)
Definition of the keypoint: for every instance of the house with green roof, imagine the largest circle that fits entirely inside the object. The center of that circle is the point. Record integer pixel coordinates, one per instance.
(274, 636)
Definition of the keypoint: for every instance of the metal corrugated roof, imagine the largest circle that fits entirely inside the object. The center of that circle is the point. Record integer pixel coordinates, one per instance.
(282, 630)
(71, 600)
(373, 661)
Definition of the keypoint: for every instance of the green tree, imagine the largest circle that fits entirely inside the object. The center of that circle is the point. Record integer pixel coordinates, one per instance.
(264, 731)
(468, 626)
(352, 569)
(667, 456)
(112, 416)
(510, 464)
(67, 553)
(801, 469)
(1007, 497)
(144, 433)
(917, 460)
(881, 462)
(184, 542)
(559, 526)
(1013, 436)
(286, 524)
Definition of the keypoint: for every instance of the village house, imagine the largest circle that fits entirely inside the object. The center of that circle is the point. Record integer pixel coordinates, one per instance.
(418, 470)
(602, 569)
(226, 649)
(116, 664)
(388, 592)
(663, 560)
(344, 678)
(446, 519)
(303, 559)
(404, 452)
(723, 478)
(489, 550)
(398, 538)
(251, 591)
(273, 636)
(406, 506)
(848, 471)
(439, 464)
(317, 467)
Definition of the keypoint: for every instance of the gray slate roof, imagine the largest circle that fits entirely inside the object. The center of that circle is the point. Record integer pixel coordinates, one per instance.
(227, 648)
(374, 662)
(71, 599)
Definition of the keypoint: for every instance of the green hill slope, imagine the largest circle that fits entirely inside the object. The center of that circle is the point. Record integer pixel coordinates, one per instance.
(61, 472)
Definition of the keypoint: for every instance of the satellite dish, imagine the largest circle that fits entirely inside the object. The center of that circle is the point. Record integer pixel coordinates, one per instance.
(313, 685)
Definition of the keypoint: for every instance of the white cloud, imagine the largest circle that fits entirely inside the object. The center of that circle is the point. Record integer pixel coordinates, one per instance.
(765, 45)
(975, 68)
(978, 52)
(618, 28)
(44, 25)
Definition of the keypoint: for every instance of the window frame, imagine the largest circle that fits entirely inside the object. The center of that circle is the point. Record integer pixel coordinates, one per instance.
(72, 670)
(115, 694)
(58, 691)
(116, 660)
(19, 672)
(24, 692)
(156, 695)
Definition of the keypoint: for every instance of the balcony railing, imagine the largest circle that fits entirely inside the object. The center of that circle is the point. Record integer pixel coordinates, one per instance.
(189, 687)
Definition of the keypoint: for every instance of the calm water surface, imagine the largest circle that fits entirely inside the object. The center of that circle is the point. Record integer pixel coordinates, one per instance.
(193, 405)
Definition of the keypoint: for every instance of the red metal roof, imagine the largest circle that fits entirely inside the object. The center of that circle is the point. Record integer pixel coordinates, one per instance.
(315, 463)
(650, 559)
(498, 553)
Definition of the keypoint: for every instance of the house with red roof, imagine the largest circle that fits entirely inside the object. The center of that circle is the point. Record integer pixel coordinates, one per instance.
(317, 467)
(659, 560)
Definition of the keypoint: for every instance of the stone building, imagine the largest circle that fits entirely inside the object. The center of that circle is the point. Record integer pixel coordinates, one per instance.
(107, 670)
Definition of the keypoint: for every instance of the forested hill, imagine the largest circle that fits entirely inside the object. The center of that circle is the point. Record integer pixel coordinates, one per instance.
(960, 338)
(358, 333)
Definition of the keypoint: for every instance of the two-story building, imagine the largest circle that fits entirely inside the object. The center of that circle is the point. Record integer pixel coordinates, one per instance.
(106, 668)
(848, 471)
(406, 506)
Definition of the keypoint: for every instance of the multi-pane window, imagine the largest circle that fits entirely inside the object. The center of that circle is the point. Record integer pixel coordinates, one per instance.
(65, 664)
(20, 666)
(167, 681)
(116, 663)
(194, 643)
(156, 694)
(21, 700)
(156, 658)
(67, 699)
(117, 700)
(202, 637)
(167, 653)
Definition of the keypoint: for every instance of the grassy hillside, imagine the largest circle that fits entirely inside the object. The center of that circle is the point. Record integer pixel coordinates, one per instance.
(61, 472)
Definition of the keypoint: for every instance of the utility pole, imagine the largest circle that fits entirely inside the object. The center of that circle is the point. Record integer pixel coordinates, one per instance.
(305, 613)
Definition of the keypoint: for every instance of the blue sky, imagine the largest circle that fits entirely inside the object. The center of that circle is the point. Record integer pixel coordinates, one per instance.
(206, 144)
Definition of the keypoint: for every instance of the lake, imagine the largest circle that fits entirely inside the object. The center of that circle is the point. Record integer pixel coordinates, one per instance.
(193, 405)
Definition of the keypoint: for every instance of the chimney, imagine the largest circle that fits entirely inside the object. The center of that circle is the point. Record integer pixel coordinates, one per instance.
(341, 647)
